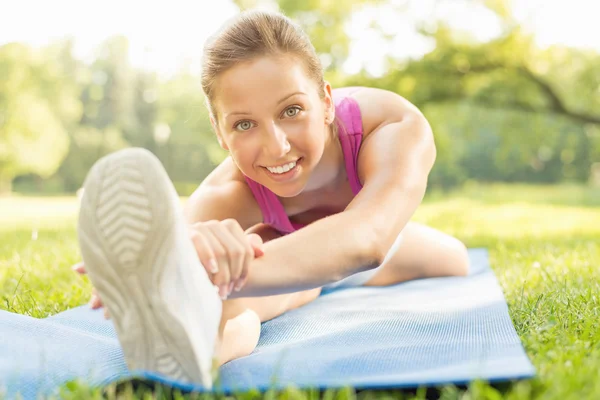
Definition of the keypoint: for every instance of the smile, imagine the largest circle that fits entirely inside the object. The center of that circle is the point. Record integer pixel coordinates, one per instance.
(285, 172)
(282, 168)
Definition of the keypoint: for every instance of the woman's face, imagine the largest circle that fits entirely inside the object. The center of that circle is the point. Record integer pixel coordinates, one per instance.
(273, 122)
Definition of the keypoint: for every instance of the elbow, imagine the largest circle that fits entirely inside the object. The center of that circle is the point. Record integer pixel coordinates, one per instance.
(386, 232)
(367, 247)
(428, 140)
(378, 248)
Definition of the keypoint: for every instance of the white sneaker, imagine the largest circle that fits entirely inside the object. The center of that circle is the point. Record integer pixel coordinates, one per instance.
(139, 256)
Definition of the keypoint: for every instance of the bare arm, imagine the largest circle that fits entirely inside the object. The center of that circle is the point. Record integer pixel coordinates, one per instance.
(394, 165)
(310, 258)
(323, 252)
(222, 195)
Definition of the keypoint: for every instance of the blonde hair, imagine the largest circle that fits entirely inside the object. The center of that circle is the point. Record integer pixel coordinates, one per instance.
(253, 34)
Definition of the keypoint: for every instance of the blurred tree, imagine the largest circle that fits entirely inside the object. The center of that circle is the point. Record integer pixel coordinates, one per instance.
(37, 104)
(503, 109)
(145, 109)
(510, 73)
(324, 22)
(191, 150)
(128, 107)
(108, 99)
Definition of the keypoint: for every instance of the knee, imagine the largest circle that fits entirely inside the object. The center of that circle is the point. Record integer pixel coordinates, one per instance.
(305, 297)
(458, 263)
(232, 308)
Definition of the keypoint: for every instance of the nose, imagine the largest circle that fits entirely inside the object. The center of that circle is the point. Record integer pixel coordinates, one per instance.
(276, 143)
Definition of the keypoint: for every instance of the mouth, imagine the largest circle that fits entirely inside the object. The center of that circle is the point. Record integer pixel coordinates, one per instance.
(284, 172)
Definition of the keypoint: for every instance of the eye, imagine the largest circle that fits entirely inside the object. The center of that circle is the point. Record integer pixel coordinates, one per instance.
(243, 125)
(292, 111)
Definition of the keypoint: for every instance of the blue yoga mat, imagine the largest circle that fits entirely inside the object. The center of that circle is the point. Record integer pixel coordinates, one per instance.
(424, 332)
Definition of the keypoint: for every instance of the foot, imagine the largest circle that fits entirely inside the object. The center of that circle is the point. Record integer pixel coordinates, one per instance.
(138, 255)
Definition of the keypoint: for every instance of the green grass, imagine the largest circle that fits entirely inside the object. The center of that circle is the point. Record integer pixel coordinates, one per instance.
(543, 244)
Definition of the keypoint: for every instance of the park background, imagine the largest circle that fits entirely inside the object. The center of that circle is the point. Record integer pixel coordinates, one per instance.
(511, 89)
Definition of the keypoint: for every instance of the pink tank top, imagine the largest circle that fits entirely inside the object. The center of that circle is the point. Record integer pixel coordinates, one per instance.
(350, 135)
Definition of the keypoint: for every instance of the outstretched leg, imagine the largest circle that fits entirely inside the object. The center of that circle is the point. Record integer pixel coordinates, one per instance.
(137, 252)
(239, 330)
(138, 255)
(422, 252)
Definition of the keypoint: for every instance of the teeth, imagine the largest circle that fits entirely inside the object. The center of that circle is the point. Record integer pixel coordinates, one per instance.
(282, 169)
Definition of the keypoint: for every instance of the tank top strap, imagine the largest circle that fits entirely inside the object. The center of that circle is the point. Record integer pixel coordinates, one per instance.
(350, 132)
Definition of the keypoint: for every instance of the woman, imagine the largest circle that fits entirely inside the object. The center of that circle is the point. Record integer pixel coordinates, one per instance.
(318, 191)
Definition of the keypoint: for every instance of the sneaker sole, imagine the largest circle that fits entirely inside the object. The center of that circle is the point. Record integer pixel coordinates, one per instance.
(126, 225)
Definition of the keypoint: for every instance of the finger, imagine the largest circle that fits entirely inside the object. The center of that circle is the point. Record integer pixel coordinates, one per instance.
(96, 301)
(79, 267)
(205, 253)
(234, 255)
(249, 255)
(221, 278)
(231, 235)
(92, 301)
(242, 281)
(257, 244)
(106, 313)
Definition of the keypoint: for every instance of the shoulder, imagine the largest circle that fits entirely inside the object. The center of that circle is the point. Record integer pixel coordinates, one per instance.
(377, 106)
(224, 194)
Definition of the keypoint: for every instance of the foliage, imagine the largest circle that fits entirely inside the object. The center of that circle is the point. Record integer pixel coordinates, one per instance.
(323, 21)
(544, 249)
(35, 111)
(501, 110)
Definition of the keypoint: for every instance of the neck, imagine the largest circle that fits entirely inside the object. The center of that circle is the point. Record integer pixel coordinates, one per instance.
(330, 174)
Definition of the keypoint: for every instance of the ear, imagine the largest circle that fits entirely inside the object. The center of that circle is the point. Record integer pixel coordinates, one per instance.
(222, 143)
(329, 104)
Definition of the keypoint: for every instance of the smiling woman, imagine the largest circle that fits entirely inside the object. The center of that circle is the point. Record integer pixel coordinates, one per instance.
(333, 175)
(264, 134)
(337, 172)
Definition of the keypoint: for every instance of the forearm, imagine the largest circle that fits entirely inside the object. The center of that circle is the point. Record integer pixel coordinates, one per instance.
(323, 252)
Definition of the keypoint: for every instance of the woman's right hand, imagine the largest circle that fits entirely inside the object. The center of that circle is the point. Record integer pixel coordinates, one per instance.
(226, 252)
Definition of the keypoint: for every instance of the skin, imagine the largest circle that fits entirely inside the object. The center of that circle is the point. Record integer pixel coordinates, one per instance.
(271, 132)
(346, 234)
(259, 130)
